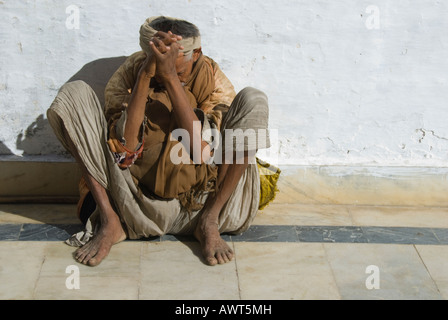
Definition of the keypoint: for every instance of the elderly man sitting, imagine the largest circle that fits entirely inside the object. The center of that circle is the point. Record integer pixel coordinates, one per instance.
(138, 179)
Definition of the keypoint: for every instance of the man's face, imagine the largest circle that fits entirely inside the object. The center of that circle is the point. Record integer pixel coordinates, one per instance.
(184, 66)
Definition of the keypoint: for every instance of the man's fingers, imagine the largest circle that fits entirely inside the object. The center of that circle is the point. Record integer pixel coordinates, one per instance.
(162, 51)
(164, 42)
(178, 38)
(160, 45)
(155, 50)
(167, 38)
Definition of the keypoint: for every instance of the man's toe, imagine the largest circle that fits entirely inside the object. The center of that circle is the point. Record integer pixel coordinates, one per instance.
(211, 260)
(96, 260)
(222, 258)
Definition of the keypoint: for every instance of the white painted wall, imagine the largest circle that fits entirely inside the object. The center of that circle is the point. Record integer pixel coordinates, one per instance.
(341, 92)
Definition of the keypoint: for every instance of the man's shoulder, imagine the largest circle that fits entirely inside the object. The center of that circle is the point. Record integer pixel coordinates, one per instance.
(130, 67)
(136, 57)
(212, 63)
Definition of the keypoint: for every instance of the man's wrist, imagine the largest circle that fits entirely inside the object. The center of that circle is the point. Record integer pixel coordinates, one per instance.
(145, 76)
(171, 80)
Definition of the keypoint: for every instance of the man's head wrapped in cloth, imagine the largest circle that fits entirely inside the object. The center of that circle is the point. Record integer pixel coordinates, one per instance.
(192, 69)
(191, 37)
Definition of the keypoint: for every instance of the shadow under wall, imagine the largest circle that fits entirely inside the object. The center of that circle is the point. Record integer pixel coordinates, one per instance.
(38, 138)
(4, 150)
(97, 73)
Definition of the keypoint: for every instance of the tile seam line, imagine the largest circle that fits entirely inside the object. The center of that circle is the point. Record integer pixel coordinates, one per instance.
(427, 269)
(435, 234)
(38, 276)
(139, 290)
(324, 247)
(20, 231)
(236, 269)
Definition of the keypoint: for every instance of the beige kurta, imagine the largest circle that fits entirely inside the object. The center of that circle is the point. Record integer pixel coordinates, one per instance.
(208, 91)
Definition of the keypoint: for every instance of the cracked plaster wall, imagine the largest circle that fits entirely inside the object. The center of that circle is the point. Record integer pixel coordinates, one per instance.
(340, 91)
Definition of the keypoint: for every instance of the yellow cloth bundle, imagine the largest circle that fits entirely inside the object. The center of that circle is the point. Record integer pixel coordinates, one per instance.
(269, 176)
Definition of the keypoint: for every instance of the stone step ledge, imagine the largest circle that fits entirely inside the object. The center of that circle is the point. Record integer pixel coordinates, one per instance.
(54, 179)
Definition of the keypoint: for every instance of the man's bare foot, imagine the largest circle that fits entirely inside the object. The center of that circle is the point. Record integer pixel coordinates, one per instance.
(214, 249)
(93, 252)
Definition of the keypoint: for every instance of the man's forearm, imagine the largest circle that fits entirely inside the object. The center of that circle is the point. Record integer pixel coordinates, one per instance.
(186, 118)
(136, 111)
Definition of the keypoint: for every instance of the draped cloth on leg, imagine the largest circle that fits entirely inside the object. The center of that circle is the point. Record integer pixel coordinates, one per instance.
(249, 116)
(77, 109)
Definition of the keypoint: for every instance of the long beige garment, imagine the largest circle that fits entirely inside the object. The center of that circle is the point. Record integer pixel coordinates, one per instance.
(77, 108)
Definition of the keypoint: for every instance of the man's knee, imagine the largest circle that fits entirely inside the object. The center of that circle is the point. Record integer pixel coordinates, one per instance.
(246, 125)
(254, 108)
(76, 86)
(252, 98)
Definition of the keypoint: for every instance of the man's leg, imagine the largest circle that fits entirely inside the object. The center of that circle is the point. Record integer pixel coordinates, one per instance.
(110, 230)
(249, 110)
(214, 249)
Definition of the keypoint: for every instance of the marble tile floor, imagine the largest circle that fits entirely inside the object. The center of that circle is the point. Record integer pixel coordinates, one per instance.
(292, 252)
